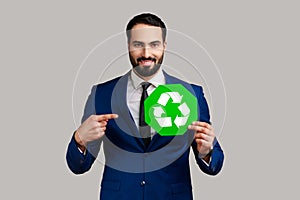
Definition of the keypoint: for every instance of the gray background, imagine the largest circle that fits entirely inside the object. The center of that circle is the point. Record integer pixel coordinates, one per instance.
(254, 43)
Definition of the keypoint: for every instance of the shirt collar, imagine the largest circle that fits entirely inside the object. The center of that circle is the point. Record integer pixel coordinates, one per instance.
(158, 79)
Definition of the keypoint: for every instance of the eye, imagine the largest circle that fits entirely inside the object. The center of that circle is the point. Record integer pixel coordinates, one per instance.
(155, 45)
(137, 45)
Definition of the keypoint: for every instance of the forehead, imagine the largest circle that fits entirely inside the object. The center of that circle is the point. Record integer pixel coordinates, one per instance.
(146, 33)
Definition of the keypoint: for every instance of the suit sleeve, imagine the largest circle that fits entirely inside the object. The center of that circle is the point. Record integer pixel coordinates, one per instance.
(217, 156)
(77, 161)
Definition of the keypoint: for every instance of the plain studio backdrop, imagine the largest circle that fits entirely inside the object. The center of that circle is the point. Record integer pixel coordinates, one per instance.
(255, 45)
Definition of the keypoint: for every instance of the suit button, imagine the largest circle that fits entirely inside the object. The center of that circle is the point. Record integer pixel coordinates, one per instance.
(143, 183)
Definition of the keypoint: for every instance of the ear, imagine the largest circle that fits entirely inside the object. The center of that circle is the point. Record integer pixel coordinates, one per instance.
(128, 44)
(165, 45)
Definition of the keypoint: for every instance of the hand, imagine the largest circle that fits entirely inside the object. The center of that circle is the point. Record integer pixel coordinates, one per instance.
(92, 128)
(204, 136)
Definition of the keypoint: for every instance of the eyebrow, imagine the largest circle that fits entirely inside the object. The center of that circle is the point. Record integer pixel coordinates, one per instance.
(153, 42)
(157, 41)
(137, 42)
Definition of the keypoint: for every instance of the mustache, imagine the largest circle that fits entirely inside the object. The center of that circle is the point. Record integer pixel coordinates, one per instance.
(149, 59)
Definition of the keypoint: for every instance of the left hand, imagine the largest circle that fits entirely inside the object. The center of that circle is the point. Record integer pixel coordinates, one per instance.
(204, 136)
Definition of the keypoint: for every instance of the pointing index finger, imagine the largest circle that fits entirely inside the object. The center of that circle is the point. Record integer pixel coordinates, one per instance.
(106, 117)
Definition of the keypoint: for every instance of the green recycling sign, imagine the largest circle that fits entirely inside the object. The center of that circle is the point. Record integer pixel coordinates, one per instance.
(170, 109)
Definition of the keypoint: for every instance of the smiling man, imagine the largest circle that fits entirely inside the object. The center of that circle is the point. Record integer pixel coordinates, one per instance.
(139, 163)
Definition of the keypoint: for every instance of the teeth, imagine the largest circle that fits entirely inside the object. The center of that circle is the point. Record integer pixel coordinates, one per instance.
(146, 62)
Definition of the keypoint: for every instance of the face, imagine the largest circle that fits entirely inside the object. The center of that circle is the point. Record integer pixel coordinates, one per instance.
(146, 50)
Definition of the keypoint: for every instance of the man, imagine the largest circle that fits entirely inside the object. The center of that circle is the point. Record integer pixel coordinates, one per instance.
(139, 166)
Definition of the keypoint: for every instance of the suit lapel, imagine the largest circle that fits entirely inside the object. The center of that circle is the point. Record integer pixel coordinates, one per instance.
(119, 105)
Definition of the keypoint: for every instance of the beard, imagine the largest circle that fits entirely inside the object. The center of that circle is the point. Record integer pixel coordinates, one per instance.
(146, 70)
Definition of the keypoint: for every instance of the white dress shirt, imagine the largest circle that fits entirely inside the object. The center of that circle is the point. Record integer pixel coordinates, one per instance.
(134, 92)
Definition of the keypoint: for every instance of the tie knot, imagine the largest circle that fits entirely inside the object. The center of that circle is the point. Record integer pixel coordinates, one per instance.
(145, 85)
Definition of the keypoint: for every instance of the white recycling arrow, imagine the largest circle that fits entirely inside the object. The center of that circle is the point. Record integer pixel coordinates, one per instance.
(176, 97)
(180, 121)
(158, 111)
(164, 121)
(184, 109)
(163, 99)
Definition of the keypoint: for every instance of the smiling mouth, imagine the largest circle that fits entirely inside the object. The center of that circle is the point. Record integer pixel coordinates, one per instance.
(146, 61)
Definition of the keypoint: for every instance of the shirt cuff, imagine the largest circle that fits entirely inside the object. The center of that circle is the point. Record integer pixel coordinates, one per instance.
(200, 157)
(84, 153)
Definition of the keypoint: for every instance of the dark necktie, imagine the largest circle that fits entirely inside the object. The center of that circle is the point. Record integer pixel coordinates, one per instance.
(145, 130)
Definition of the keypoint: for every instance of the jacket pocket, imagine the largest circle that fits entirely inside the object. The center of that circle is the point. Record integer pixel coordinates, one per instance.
(110, 185)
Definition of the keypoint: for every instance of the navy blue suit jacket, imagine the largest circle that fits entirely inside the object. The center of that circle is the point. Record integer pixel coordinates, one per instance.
(132, 172)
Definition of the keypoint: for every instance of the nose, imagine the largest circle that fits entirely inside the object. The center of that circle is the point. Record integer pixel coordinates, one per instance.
(146, 52)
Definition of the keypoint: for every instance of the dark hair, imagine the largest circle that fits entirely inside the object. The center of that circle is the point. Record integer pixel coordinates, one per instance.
(148, 19)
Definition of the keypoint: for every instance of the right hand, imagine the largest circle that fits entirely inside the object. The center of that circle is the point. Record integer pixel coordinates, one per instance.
(92, 128)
